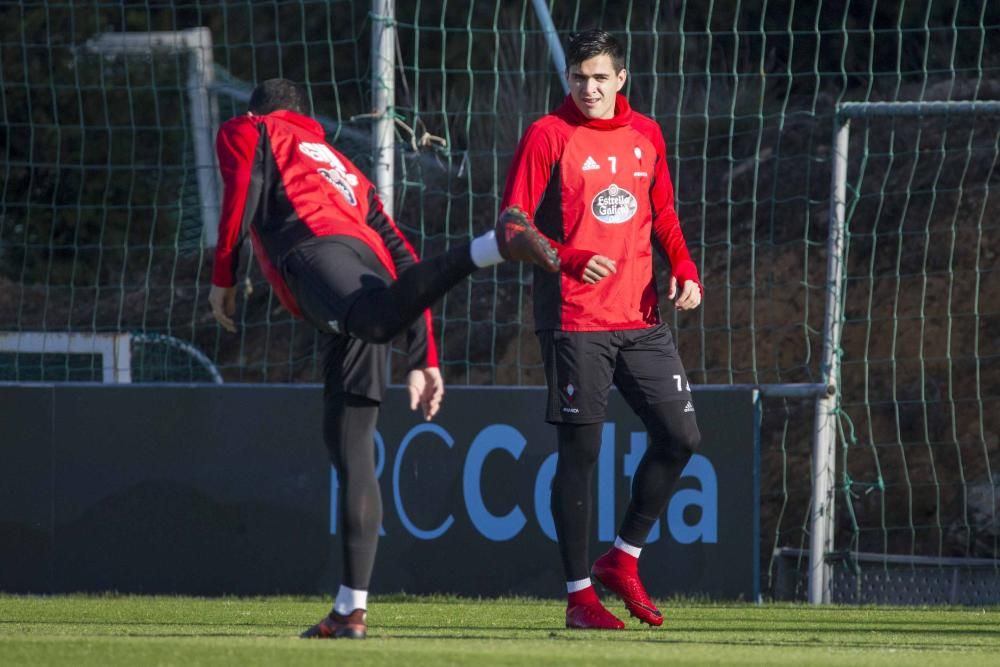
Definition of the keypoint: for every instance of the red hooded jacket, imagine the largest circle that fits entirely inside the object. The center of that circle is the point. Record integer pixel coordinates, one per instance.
(285, 185)
(599, 187)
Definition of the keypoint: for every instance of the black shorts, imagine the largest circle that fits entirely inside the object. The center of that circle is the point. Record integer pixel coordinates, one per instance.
(327, 275)
(581, 366)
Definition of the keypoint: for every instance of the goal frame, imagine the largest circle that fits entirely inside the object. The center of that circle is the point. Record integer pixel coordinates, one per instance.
(822, 513)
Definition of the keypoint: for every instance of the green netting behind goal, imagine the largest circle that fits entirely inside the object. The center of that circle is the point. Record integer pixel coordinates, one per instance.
(920, 408)
(104, 201)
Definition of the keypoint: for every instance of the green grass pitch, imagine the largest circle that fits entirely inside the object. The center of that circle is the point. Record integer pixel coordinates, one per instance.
(134, 630)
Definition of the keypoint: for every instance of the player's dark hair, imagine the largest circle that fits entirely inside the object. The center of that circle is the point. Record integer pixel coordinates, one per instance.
(276, 94)
(592, 43)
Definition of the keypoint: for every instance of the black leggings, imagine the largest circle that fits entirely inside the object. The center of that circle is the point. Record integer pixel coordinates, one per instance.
(349, 433)
(673, 438)
(342, 287)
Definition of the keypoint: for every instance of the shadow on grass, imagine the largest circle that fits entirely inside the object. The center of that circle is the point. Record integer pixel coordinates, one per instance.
(631, 636)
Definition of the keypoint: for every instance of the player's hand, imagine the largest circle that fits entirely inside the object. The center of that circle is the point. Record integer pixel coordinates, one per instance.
(598, 268)
(690, 296)
(223, 303)
(426, 389)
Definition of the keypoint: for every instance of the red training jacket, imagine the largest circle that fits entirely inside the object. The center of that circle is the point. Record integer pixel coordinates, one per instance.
(286, 185)
(599, 187)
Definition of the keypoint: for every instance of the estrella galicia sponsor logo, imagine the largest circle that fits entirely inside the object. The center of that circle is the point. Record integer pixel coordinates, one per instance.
(322, 153)
(614, 205)
(337, 180)
(337, 175)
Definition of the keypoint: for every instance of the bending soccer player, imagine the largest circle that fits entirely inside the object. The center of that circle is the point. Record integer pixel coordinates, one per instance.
(334, 258)
(593, 173)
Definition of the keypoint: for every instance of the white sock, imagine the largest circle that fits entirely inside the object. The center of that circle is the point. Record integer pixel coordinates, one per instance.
(349, 599)
(627, 548)
(578, 585)
(485, 251)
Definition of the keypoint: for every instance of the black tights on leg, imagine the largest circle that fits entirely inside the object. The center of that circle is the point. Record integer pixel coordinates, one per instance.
(349, 432)
(381, 313)
(573, 495)
(673, 438)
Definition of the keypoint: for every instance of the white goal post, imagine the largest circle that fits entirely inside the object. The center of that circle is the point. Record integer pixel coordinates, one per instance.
(197, 43)
(115, 349)
(822, 514)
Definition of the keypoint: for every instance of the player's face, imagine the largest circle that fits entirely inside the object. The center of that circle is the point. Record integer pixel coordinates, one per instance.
(593, 84)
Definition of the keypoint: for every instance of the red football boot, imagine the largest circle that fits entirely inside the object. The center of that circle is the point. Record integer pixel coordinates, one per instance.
(337, 626)
(519, 240)
(619, 573)
(585, 612)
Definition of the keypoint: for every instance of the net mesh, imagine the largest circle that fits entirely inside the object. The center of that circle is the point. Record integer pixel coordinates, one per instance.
(920, 330)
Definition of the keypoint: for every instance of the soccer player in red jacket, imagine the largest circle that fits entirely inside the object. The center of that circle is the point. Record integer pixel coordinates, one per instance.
(335, 258)
(593, 174)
